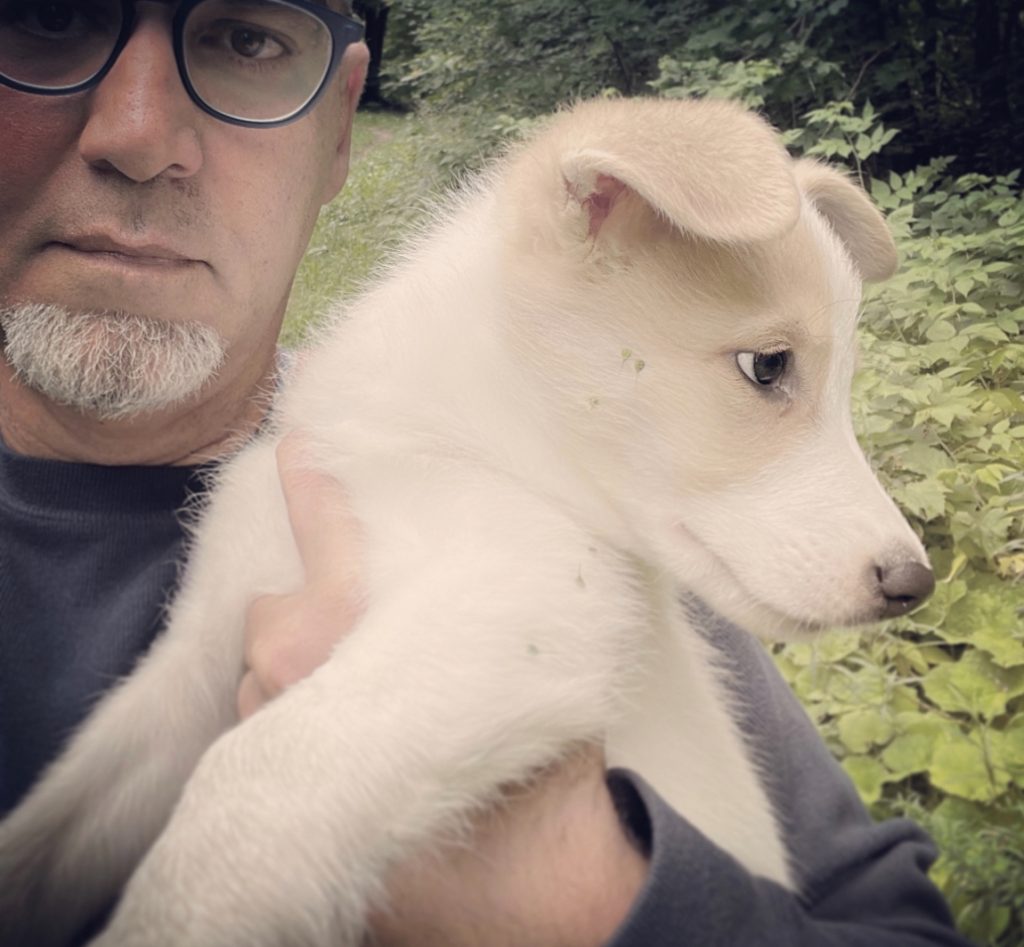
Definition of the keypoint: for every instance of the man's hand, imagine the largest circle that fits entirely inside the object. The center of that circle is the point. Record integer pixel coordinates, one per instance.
(549, 866)
(287, 637)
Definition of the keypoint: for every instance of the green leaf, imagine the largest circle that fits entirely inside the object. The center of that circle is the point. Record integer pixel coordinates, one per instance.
(880, 191)
(923, 459)
(868, 685)
(974, 685)
(1008, 748)
(1006, 651)
(959, 767)
(918, 734)
(923, 498)
(987, 616)
(940, 332)
(868, 776)
(983, 922)
(834, 646)
(860, 730)
(908, 754)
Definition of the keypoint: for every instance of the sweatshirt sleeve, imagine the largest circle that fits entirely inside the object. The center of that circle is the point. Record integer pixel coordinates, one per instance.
(861, 883)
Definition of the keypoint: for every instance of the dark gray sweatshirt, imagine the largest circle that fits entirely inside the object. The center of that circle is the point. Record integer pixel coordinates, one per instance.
(89, 556)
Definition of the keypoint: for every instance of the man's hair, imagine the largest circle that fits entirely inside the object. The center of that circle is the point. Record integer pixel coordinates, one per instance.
(112, 365)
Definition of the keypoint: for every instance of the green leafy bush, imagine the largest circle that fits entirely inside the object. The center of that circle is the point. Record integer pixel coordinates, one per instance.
(927, 715)
(945, 72)
(527, 56)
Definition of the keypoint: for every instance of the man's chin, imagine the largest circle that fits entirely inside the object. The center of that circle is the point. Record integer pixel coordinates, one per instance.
(112, 366)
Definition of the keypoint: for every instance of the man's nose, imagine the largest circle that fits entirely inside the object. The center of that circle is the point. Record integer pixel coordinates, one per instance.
(141, 121)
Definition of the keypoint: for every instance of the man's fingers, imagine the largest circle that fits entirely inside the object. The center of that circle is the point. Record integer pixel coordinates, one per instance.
(287, 637)
(250, 696)
(326, 533)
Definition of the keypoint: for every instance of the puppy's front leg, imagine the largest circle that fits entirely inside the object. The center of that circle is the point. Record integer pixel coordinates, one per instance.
(438, 698)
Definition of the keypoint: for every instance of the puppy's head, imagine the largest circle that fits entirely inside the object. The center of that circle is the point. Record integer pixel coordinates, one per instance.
(691, 294)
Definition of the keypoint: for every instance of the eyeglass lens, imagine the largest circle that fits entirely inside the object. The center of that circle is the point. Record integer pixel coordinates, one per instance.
(56, 44)
(257, 60)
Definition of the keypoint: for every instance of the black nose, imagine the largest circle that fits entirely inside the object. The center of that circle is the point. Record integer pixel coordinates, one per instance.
(905, 585)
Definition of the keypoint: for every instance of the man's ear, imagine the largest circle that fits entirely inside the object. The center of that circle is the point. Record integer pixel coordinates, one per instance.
(352, 76)
(709, 168)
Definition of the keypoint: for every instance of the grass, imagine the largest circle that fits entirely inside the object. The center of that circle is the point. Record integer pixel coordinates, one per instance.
(382, 199)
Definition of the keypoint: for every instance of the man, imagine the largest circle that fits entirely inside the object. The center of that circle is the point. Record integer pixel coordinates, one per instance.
(154, 206)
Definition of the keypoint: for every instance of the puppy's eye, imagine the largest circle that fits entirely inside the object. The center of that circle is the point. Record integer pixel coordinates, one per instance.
(764, 368)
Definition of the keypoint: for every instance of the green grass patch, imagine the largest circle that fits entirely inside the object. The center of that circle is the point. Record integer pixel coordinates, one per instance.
(381, 201)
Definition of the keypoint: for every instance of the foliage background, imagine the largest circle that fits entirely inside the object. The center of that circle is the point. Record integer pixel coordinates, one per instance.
(922, 99)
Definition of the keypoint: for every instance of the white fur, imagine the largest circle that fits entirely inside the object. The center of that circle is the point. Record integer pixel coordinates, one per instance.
(534, 501)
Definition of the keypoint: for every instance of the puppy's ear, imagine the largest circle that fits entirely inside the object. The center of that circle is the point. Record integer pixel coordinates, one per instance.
(597, 194)
(856, 221)
(711, 168)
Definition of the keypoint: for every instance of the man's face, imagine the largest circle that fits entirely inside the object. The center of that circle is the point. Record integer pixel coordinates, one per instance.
(129, 198)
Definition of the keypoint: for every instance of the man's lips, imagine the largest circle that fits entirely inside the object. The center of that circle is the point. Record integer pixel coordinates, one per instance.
(140, 254)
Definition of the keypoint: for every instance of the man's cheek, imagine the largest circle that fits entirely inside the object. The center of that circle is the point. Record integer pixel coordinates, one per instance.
(37, 138)
(37, 132)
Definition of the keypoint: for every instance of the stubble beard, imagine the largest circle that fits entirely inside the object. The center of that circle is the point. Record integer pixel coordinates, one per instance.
(109, 365)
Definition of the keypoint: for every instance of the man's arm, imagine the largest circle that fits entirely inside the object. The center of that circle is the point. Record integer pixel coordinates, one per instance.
(549, 866)
(571, 862)
(866, 888)
(862, 884)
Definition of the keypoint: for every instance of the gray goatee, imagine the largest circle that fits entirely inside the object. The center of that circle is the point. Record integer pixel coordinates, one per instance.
(112, 365)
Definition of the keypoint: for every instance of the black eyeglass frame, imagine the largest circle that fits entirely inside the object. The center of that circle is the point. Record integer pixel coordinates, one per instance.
(344, 30)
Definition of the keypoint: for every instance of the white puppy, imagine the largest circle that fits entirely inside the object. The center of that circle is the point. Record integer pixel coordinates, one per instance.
(617, 371)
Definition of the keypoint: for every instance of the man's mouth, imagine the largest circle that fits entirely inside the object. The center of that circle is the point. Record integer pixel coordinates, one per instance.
(104, 248)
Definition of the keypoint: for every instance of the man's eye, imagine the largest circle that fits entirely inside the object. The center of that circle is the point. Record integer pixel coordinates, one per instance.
(765, 369)
(43, 19)
(55, 17)
(83, 21)
(254, 45)
(244, 41)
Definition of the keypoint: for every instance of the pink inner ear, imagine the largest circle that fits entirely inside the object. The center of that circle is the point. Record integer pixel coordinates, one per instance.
(602, 199)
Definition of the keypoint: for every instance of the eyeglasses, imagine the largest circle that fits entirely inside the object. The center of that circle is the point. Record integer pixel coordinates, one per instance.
(258, 63)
